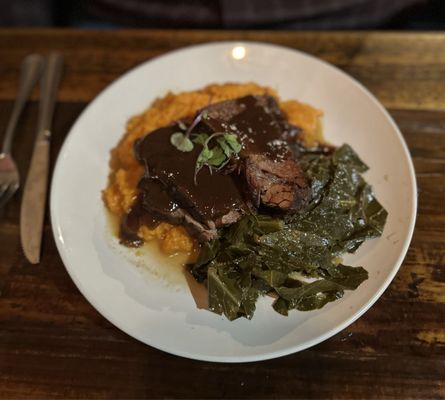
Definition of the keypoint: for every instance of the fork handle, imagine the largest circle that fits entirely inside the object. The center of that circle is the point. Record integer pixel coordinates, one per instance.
(30, 73)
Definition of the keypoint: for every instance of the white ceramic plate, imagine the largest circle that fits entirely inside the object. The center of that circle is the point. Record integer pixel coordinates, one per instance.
(145, 298)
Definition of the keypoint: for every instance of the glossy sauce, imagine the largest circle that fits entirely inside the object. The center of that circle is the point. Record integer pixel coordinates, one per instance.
(260, 127)
(129, 227)
(214, 193)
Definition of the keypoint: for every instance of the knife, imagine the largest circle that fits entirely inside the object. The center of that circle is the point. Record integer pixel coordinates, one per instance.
(32, 210)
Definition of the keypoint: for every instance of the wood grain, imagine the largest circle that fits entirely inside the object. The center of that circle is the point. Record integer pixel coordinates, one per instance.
(53, 344)
(404, 70)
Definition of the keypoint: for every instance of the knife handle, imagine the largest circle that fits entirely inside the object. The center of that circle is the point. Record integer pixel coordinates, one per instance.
(50, 82)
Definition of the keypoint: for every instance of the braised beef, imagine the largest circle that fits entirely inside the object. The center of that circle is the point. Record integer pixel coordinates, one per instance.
(258, 122)
(278, 184)
(265, 172)
(157, 201)
(169, 193)
(271, 171)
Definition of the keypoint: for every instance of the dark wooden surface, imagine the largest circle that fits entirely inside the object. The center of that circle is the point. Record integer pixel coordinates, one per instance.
(53, 344)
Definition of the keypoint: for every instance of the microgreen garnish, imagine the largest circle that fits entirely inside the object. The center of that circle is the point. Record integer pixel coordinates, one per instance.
(181, 142)
(232, 140)
(200, 138)
(195, 122)
(217, 157)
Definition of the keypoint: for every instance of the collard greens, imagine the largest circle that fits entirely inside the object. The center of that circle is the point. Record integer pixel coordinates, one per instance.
(296, 259)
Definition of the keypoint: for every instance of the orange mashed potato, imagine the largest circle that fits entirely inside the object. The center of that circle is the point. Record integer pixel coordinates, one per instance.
(125, 171)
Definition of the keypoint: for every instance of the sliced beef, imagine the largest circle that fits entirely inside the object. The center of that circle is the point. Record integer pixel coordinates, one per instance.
(203, 233)
(271, 171)
(219, 114)
(170, 193)
(228, 219)
(256, 120)
(157, 202)
(265, 172)
(277, 184)
(153, 205)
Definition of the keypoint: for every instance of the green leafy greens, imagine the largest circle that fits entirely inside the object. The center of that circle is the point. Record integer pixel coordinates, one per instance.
(295, 259)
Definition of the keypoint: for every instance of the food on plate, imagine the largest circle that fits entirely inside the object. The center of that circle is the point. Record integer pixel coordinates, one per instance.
(244, 182)
(125, 170)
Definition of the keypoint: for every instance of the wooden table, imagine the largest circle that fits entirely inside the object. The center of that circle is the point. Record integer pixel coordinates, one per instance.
(54, 344)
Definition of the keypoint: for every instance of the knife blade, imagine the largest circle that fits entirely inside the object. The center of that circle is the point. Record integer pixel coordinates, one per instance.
(32, 211)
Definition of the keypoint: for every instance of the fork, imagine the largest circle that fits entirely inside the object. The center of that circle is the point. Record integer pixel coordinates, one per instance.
(9, 175)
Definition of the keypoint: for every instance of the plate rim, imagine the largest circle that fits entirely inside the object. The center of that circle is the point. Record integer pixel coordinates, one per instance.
(270, 354)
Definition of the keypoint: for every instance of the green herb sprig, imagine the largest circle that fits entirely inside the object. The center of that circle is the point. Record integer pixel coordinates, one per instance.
(182, 140)
(217, 157)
